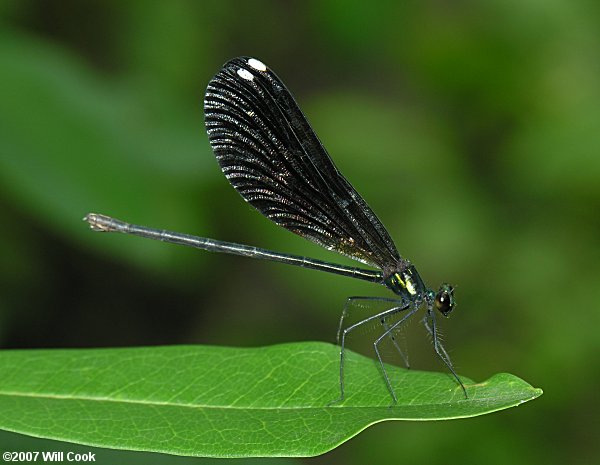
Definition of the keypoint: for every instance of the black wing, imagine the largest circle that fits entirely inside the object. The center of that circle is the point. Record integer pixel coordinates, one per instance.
(270, 154)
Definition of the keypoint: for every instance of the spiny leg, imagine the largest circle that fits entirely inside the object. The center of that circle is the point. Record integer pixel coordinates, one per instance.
(396, 302)
(376, 347)
(351, 300)
(349, 329)
(393, 339)
(441, 352)
(440, 346)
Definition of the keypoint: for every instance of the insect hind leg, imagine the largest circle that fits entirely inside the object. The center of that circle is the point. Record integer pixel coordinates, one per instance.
(396, 303)
(400, 305)
(351, 300)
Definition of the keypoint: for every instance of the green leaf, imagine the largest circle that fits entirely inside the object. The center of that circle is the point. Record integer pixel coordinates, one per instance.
(225, 402)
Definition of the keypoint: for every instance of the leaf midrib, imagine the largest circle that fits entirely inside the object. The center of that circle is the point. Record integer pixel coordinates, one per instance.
(232, 407)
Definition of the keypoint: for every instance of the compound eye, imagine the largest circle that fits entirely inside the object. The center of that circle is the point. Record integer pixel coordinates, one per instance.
(444, 300)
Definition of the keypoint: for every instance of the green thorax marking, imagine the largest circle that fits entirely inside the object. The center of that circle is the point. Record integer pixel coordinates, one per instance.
(406, 282)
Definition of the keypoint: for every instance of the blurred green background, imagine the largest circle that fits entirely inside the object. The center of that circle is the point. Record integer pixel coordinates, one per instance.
(471, 128)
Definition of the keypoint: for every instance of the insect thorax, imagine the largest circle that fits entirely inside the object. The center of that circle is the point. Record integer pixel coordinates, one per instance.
(406, 282)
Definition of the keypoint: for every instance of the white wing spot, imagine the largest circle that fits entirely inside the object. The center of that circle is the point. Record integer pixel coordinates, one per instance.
(257, 64)
(245, 74)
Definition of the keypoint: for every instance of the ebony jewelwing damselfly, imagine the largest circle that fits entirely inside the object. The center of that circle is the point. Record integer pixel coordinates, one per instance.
(270, 154)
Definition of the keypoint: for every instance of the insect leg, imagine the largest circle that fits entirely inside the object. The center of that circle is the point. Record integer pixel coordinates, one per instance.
(355, 299)
(440, 351)
(387, 332)
(350, 328)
